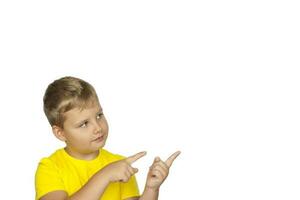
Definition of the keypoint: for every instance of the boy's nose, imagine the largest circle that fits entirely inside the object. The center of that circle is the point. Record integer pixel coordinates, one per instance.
(98, 128)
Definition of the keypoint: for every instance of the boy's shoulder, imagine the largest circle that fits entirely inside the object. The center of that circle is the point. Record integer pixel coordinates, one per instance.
(60, 156)
(55, 157)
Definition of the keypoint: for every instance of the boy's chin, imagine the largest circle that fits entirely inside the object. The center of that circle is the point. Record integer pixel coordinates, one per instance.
(99, 145)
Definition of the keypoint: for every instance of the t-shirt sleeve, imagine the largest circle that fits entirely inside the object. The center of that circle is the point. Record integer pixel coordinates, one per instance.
(47, 178)
(130, 188)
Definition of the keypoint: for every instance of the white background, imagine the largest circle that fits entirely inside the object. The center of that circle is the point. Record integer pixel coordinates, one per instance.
(218, 80)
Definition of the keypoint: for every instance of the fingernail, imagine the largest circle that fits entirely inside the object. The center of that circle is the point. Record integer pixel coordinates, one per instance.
(157, 159)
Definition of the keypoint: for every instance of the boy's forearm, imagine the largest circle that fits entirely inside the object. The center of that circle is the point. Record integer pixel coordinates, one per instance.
(93, 189)
(149, 194)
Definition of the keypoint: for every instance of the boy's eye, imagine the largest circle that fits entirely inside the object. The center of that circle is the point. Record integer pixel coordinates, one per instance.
(83, 125)
(99, 115)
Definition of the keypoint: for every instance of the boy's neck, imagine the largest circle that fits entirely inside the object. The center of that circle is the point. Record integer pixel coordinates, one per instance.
(80, 156)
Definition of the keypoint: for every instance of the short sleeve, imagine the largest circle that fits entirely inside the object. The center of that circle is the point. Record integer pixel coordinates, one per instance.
(130, 188)
(47, 178)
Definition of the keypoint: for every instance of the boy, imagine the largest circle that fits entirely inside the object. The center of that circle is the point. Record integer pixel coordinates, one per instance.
(83, 170)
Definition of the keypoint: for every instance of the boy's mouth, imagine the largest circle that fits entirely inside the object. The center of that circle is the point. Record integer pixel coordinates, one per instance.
(99, 139)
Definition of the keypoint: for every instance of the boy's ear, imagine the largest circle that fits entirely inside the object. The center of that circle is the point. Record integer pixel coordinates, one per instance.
(59, 133)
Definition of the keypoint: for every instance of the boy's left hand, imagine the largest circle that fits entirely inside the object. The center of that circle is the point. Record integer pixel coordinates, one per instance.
(159, 171)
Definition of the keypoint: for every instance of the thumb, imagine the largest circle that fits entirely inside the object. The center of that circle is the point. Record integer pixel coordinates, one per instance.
(135, 170)
(156, 159)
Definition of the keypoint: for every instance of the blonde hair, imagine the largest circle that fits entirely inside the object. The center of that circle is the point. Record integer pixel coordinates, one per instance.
(65, 94)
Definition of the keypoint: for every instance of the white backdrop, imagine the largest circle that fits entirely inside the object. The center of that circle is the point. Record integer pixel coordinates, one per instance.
(218, 80)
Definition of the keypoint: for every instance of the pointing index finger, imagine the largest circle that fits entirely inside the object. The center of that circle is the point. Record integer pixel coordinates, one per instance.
(132, 159)
(171, 159)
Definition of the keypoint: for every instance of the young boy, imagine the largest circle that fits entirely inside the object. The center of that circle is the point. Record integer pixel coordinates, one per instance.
(83, 170)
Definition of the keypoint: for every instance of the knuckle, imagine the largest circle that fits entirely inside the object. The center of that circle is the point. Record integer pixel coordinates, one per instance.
(124, 164)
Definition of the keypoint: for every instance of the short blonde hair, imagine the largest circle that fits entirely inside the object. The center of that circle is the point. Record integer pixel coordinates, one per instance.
(65, 94)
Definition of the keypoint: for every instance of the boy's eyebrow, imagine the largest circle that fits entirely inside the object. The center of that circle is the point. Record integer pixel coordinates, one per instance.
(84, 120)
(100, 111)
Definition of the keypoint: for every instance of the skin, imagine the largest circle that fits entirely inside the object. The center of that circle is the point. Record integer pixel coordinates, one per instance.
(80, 129)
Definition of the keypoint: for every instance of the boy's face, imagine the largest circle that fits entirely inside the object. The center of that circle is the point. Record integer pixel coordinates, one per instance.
(85, 131)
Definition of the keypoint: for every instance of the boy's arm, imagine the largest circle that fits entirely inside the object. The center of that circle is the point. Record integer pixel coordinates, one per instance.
(117, 171)
(147, 194)
(94, 188)
(158, 172)
(150, 194)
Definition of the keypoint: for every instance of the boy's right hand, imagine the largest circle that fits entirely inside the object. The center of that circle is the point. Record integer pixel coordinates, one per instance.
(122, 170)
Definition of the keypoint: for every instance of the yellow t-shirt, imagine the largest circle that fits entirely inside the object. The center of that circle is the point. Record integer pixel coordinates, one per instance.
(60, 171)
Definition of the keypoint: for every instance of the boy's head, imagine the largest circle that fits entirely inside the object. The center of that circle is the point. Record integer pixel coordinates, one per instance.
(73, 110)
(65, 94)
